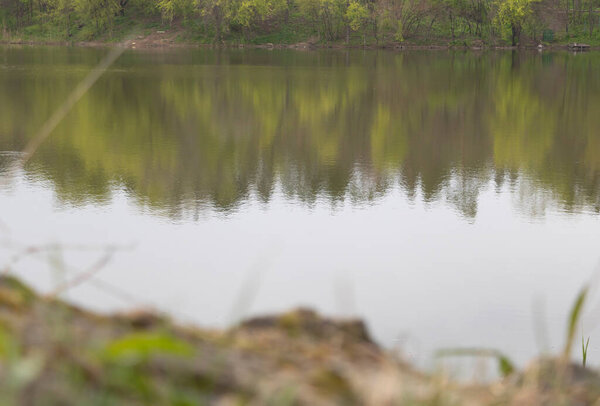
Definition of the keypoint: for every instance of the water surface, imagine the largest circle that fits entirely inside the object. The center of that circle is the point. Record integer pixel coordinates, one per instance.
(449, 198)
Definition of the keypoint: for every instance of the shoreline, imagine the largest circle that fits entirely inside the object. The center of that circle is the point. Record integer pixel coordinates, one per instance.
(57, 353)
(145, 43)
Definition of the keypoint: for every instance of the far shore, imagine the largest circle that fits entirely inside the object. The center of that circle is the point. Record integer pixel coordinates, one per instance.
(152, 43)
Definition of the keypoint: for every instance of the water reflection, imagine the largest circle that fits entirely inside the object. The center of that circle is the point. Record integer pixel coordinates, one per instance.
(185, 130)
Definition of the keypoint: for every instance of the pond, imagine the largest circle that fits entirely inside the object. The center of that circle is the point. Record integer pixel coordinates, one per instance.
(450, 199)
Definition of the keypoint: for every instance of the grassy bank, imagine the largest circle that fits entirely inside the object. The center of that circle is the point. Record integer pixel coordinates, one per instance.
(175, 37)
(156, 35)
(52, 353)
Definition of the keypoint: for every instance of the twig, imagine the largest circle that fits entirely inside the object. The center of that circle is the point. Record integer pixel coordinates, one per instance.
(35, 249)
(84, 276)
(73, 98)
(65, 108)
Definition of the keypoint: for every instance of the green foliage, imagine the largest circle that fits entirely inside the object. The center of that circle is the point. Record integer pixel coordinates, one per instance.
(512, 15)
(98, 13)
(458, 22)
(584, 350)
(398, 35)
(574, 317)
(17, 369)
(138, 347)
(252, 12)
(390, 25)
(356, 15)
(288, 34)
(167, 9)
(171, 8)
(464, 17)
(331, 15)
(505, 366)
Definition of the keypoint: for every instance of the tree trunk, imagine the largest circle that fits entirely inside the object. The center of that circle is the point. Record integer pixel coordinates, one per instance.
(567, 14)
(347, 24)
(373, 22)
(218, 22)
(122, 4)
(287, 10)
(591, 19)
(430, 28)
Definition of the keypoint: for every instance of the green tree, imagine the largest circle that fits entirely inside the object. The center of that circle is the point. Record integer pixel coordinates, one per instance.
(100, 13)
(218, 14)
(169, 9)
(250, 13)
(512, 14)
(356, 15)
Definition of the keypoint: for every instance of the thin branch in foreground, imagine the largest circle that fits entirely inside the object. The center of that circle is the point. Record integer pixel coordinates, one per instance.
(84, 276)
(31, 250)
(73, 98)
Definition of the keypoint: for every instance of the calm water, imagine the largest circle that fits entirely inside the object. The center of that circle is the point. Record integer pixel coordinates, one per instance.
(450, 199)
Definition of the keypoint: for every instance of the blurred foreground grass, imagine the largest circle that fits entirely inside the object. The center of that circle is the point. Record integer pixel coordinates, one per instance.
(52, 353)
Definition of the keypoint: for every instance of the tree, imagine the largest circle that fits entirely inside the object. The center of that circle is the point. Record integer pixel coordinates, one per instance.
(62, 12)
(356, 15)
(399, 19)
(327, 16)
(171, 8)
(100, 12)
(218, 13)
(512, 14)
(251, 12)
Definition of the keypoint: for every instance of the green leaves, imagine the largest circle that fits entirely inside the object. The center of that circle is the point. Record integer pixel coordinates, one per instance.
(584, 350)
(251, 11)
(356, 15)
(137, 347)
(505, 365)
(17, 368)
(99, 14)
(171, 8)
(513, 14)
(574, 320)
